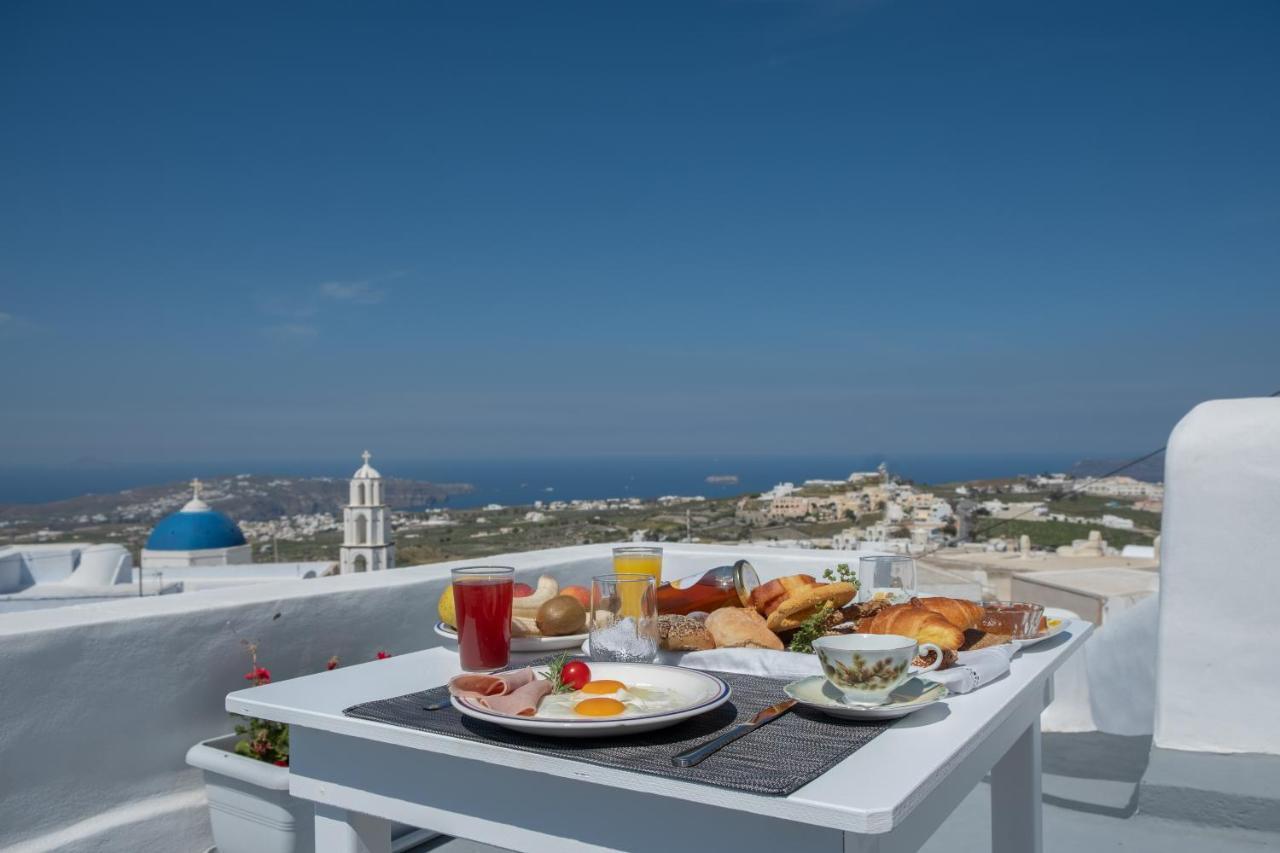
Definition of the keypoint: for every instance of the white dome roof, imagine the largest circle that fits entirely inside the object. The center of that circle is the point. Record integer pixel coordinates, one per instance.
(366, 471)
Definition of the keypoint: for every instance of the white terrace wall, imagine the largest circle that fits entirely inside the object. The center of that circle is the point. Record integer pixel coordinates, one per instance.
(98, 704)
(1220, 580)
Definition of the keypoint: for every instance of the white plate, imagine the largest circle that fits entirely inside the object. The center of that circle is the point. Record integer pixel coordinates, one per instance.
(1063, 616)
(703, 692)
(525, 644)
(910, 696)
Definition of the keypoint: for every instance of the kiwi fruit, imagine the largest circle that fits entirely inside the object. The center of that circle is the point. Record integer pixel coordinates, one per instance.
(560, 616)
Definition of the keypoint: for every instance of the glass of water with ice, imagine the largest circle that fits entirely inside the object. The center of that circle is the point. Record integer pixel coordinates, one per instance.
(624, 619)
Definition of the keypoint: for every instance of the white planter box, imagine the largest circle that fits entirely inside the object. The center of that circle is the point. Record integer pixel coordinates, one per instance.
(249, 803)
(251, 810)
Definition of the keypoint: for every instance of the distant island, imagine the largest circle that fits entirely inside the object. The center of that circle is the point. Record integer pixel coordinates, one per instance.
(722, 479)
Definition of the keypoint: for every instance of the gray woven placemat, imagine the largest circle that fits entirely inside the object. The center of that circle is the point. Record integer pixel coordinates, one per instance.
(776, 759)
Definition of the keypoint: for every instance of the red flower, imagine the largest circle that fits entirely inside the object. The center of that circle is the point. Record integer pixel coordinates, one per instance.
(383, 655)
(258, 675)
(282, 762)
(332, 664)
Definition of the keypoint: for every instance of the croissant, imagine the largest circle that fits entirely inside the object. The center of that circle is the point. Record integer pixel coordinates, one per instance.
(963, 614)
(915, 621)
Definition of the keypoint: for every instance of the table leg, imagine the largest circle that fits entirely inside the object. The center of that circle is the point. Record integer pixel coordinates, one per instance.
(1015, 796)
(342, 831)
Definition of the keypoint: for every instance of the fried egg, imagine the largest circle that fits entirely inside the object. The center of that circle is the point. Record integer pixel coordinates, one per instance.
(608, 698)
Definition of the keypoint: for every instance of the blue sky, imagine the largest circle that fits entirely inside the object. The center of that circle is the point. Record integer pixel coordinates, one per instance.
(239, 232)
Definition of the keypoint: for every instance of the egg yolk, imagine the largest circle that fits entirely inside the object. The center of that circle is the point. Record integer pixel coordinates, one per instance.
(599, 707)
(603, 686)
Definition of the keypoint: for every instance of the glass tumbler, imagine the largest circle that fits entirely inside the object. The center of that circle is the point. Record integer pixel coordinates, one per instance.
(624, 619)
(890, 577)
(638, 560)
(482, 600)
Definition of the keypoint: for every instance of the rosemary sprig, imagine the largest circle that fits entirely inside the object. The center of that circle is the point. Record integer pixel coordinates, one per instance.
(554, 669)
(811, 629)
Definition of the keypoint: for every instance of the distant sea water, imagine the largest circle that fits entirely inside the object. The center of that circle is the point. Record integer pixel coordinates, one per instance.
(524, 481)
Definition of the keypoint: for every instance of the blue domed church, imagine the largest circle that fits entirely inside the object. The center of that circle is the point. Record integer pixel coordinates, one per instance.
(196, 535)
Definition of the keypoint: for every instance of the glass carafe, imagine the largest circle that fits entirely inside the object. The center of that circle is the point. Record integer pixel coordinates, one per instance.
(723, 586)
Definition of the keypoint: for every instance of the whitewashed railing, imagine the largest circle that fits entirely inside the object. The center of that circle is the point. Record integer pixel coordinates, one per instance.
(100, 703)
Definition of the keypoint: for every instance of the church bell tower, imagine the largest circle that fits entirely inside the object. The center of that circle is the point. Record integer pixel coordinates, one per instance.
(367, 542)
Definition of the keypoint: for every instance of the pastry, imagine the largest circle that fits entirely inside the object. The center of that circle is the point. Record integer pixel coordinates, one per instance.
(766, 597)
(683, 634)
(741, 627)
(963, 614)
(916, 621)
(949, 659)
(975, 639)
(792, 611)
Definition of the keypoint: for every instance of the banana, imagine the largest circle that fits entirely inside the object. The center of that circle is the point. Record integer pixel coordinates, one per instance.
(523, 626)
(528, 606)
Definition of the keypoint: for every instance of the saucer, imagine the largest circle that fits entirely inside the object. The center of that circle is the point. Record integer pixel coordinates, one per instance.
(909, 696)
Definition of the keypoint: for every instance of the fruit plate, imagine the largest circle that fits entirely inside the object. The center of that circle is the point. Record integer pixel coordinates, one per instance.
(821, 695)
(1054, 615)
(525, 644)
(699, 693)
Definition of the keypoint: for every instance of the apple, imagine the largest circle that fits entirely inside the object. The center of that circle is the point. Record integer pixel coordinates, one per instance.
(522, 590)
(580, 593)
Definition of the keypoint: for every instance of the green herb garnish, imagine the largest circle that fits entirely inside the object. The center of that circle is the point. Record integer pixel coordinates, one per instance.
(843, 573)
(811, 629)
(554, 669)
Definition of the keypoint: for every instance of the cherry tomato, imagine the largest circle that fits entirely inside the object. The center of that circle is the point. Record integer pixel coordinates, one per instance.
(575, 674)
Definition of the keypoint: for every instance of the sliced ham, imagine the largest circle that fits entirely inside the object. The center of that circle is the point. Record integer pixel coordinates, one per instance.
(516, 693)
(521, 702)
(476, 686)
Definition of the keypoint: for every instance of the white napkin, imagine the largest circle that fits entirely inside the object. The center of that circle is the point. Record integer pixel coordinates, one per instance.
(971, 670)
(974, 669)
(764, 662)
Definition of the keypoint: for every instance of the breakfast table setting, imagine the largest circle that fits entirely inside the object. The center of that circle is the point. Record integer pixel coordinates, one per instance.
(841, 713)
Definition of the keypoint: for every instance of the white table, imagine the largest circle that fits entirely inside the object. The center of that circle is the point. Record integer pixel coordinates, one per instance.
(888, 796)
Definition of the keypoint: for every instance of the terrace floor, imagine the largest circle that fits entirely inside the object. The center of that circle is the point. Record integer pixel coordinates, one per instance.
(1090, 796)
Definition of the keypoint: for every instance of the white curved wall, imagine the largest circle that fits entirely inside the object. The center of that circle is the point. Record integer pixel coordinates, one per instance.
(1220, 580)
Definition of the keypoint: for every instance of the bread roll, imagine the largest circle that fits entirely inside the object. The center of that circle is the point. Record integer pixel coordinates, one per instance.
(792, 611)
(766, 597)
(741, 627)
(683, 634)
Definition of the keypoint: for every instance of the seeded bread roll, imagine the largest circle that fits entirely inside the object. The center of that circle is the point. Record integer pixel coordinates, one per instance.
(683, 634)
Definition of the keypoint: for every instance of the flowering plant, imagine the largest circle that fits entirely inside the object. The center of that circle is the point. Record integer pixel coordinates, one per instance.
(267, 740)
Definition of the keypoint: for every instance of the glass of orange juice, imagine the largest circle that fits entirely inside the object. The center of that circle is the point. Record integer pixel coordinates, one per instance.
(638, 560)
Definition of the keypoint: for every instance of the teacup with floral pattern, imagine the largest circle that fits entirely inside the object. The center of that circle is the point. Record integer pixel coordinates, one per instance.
(867, 667)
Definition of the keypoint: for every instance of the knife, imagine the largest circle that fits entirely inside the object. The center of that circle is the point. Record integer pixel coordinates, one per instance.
(690, 757)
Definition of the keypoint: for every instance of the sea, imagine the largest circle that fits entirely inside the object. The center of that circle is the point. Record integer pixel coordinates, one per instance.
(523, 481)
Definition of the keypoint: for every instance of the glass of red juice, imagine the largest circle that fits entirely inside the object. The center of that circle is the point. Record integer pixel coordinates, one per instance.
(482, 601)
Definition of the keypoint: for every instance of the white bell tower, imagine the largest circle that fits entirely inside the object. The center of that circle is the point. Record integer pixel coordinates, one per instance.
(367, 543)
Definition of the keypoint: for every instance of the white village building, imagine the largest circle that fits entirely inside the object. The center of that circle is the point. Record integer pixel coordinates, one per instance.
(367, 541)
